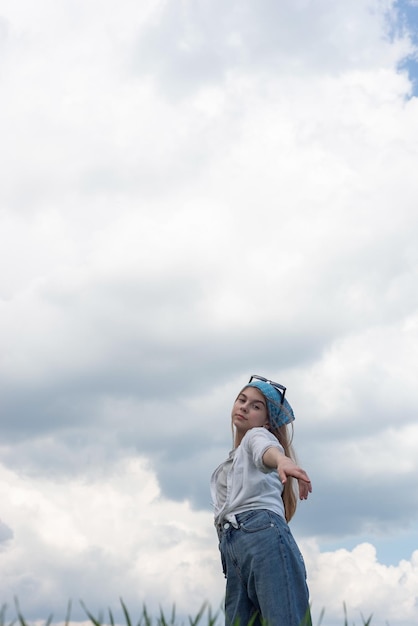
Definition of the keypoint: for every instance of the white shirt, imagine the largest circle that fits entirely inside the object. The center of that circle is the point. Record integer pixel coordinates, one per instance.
(243, 482)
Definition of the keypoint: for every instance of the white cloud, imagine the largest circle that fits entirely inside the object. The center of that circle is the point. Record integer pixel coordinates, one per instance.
(105, 537)
(357, 579)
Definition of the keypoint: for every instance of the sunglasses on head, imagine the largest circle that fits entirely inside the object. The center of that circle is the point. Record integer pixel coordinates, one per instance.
(277, 386)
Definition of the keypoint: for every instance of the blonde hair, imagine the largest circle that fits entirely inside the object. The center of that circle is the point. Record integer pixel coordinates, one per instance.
(289, 488)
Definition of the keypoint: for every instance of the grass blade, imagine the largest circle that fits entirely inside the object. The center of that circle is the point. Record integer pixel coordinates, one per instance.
(126, 613)
(68, 614)
(96, 622)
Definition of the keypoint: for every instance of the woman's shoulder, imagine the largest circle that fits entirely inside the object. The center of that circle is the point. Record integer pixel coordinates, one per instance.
(258, 433)
(256, 441)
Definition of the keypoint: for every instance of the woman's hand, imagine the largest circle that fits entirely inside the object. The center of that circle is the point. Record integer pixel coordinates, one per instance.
(286, 467)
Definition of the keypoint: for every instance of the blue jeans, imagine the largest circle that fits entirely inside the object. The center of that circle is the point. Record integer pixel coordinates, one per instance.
(265, 572)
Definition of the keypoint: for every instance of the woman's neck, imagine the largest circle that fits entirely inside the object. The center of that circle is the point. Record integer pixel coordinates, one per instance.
(238, 439)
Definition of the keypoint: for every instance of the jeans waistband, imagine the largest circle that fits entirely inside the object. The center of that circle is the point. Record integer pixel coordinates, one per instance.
(236, 520)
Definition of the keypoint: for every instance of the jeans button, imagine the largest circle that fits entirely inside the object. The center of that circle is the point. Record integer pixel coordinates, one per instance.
(226, 526)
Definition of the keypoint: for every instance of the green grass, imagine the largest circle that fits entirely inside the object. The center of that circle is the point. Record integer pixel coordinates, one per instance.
(204, 617)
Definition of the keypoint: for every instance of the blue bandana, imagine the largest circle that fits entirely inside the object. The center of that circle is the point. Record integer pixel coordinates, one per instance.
(279, 414)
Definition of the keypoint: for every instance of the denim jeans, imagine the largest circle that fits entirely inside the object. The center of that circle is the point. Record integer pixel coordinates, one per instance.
(265, 572)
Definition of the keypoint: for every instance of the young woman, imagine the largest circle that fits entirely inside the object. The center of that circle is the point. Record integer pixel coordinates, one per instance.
(254, 498)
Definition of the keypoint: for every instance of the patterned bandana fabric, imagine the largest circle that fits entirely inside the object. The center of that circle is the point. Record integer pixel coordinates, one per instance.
(279, 414)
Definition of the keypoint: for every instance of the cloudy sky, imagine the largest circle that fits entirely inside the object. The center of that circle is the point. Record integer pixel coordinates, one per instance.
(193, 191)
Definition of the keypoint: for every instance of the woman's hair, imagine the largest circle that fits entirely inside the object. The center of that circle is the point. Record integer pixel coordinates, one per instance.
(289, 488)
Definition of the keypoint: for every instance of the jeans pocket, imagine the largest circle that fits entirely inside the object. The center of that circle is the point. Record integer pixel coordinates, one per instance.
(255, 521)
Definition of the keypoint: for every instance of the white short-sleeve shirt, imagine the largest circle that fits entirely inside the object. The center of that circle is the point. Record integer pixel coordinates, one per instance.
(242, 482)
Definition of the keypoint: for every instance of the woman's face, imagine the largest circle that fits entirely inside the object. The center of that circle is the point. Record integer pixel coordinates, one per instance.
(249, 410)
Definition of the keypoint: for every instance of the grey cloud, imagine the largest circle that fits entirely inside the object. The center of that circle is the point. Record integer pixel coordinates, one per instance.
(138, 339)
(6, 533)
(4, 31)
(193, 44)
(125, 353)
(356, 507)
(144, 368)
(152, 355)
